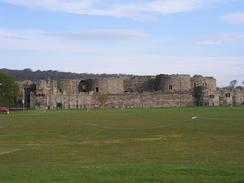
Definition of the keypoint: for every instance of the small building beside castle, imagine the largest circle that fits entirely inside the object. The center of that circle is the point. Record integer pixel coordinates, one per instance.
(128, 92)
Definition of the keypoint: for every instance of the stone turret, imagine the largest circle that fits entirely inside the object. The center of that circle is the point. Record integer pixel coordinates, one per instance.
(205, 91)
(173, 83)
(209, 83)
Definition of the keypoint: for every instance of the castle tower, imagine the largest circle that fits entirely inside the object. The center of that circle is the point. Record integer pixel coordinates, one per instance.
(173, 83)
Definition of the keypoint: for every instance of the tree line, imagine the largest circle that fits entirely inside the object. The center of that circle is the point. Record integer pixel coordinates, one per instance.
(28, 74)
(9, 91)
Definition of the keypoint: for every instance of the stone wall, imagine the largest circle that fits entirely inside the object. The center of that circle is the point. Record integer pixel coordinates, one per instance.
(149, 99)
(68, 87)
(132, 100)
(139, 84)
(229, 96)
(109, 85)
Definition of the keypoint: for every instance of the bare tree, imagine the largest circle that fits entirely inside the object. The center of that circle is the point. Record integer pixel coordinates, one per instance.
(233, 83)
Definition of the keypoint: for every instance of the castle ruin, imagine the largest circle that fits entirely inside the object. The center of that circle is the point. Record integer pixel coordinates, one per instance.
(128, 92)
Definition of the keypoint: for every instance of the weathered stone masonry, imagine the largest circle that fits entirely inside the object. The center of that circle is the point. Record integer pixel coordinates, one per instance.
(128, 92)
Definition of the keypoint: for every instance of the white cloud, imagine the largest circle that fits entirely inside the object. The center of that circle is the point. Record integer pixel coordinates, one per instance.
(103, 34)
(98, 41)
(221, 38)
(208, 42)
(237, 17)
(130, 8)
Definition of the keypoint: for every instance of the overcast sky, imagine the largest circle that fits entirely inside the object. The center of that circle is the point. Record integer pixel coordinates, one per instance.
(144, 37)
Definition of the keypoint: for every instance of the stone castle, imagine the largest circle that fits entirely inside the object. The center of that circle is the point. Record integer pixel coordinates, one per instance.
(128, 92)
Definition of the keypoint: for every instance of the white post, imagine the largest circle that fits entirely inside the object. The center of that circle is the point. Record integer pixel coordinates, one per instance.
(23, 99)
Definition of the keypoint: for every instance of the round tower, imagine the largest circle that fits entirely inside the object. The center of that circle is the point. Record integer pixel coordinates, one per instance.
(173, 83)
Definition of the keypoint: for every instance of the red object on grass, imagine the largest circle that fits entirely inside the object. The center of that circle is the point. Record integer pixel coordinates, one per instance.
(4, 110)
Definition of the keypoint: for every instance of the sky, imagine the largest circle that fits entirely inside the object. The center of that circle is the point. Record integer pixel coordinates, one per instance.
(141, 37)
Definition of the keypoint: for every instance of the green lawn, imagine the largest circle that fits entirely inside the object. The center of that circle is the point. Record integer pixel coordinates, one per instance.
(123, 146)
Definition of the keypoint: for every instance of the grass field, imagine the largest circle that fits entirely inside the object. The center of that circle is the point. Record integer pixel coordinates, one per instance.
(123, 146)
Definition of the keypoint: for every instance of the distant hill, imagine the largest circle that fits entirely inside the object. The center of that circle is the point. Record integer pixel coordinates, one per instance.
(28, 74)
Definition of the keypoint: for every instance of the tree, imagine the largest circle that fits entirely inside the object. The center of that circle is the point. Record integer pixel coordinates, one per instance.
(233, 83)
(8, 90)
(103, 99)
(242, 83)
